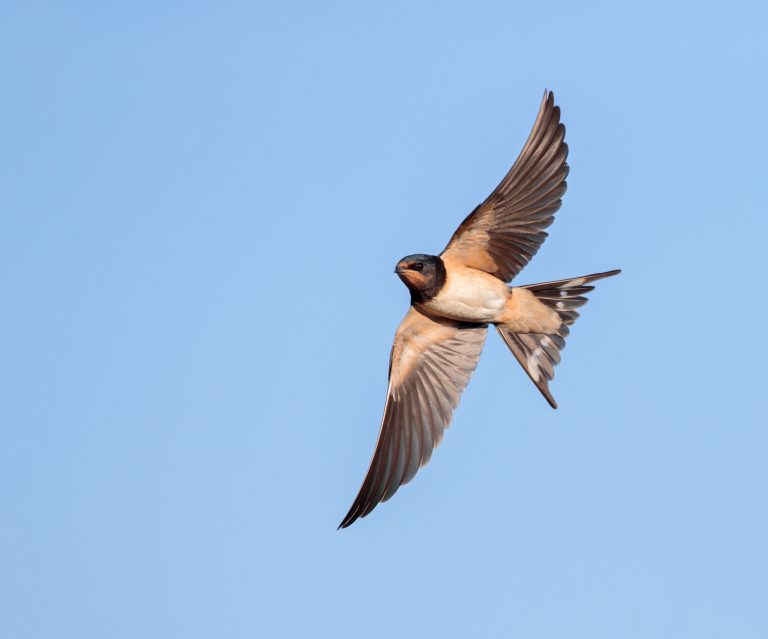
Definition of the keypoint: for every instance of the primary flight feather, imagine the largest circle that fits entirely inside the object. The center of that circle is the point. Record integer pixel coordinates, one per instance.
(454, 296)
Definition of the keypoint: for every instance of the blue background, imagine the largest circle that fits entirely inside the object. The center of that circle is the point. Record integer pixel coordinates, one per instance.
(202, 204)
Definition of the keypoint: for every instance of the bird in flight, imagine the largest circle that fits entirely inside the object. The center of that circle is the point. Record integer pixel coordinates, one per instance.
(455, 295)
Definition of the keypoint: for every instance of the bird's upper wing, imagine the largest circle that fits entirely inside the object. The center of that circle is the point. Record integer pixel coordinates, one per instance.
(503, 233)
(430, 365)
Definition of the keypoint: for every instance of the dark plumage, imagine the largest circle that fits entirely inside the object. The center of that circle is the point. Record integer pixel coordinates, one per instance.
(424, 275)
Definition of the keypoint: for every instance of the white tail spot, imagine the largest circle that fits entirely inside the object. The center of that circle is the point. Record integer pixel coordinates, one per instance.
(533, 363)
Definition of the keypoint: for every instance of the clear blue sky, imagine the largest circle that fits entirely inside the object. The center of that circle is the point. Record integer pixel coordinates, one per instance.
(201, 207)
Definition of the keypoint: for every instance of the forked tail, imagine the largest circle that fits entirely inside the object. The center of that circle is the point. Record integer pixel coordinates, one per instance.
(539, 353)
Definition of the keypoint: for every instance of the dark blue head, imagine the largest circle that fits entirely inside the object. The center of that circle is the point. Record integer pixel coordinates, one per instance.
(424, 275)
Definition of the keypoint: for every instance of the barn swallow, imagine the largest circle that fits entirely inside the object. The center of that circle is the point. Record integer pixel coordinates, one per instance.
(457, 294)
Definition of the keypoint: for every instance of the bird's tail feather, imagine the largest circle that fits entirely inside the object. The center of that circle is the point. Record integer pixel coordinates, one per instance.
(539, 353)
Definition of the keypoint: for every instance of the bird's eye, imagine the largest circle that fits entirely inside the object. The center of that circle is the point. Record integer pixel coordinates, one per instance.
(418, 266)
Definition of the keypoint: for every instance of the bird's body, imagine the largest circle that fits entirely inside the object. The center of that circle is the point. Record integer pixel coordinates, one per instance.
(455, 295)
(471, 295)
(468, 295)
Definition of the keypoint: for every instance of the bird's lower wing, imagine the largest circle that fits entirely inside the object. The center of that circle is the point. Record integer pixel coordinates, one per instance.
(430, 365)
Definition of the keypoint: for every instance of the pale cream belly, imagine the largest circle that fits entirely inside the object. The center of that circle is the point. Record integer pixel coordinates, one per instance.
(470, 295)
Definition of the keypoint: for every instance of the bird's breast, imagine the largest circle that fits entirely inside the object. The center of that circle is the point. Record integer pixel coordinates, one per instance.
(469, 295)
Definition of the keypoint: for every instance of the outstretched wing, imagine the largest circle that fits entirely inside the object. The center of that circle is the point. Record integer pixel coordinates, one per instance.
(430, 365)
(502, 234)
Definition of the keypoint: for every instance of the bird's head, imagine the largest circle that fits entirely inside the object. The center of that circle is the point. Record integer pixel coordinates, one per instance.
(424, 275)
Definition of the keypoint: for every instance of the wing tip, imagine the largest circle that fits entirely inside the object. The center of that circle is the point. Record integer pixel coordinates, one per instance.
(350, 518)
